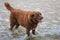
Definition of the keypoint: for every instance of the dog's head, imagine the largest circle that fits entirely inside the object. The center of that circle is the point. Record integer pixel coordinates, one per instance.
(36, 17)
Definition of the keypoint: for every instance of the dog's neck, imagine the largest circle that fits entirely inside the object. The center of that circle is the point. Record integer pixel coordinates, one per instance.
(34, 22)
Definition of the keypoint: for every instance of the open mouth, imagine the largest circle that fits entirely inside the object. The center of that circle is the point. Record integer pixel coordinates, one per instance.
(39, 20)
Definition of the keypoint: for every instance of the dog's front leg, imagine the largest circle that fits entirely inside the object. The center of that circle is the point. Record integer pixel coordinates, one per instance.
(33, 31)
(28, 32)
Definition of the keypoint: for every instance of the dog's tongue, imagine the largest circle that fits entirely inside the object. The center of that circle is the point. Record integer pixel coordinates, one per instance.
(39, 20)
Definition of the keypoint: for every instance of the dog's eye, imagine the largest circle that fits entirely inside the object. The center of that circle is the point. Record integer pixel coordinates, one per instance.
(32, 15)
(40, 14)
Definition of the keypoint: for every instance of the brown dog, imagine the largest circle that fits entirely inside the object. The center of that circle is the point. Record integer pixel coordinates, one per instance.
(28, 19)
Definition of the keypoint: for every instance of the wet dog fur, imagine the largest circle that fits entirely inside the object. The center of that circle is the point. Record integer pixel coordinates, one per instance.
(28, 19)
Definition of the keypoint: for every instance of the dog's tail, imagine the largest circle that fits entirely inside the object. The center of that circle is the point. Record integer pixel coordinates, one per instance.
(8, 6)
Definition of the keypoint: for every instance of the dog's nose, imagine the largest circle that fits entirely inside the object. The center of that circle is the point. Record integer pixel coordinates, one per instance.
(41, 17)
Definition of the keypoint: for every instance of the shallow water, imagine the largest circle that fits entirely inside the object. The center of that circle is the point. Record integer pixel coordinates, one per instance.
(49, 29)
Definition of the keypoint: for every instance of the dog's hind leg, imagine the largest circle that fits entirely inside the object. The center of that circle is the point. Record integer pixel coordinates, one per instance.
(11, 26)
(17, 25)
(12, 22)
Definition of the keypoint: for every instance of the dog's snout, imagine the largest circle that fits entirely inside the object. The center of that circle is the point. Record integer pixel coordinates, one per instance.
(41, 17)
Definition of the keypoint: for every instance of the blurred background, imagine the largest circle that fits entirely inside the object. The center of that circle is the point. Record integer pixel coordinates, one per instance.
(49, 29)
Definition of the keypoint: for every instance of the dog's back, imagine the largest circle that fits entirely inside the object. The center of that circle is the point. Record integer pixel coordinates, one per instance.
(17, 14)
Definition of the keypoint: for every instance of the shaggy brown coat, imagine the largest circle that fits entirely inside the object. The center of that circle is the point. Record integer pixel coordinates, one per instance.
(28, 19)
